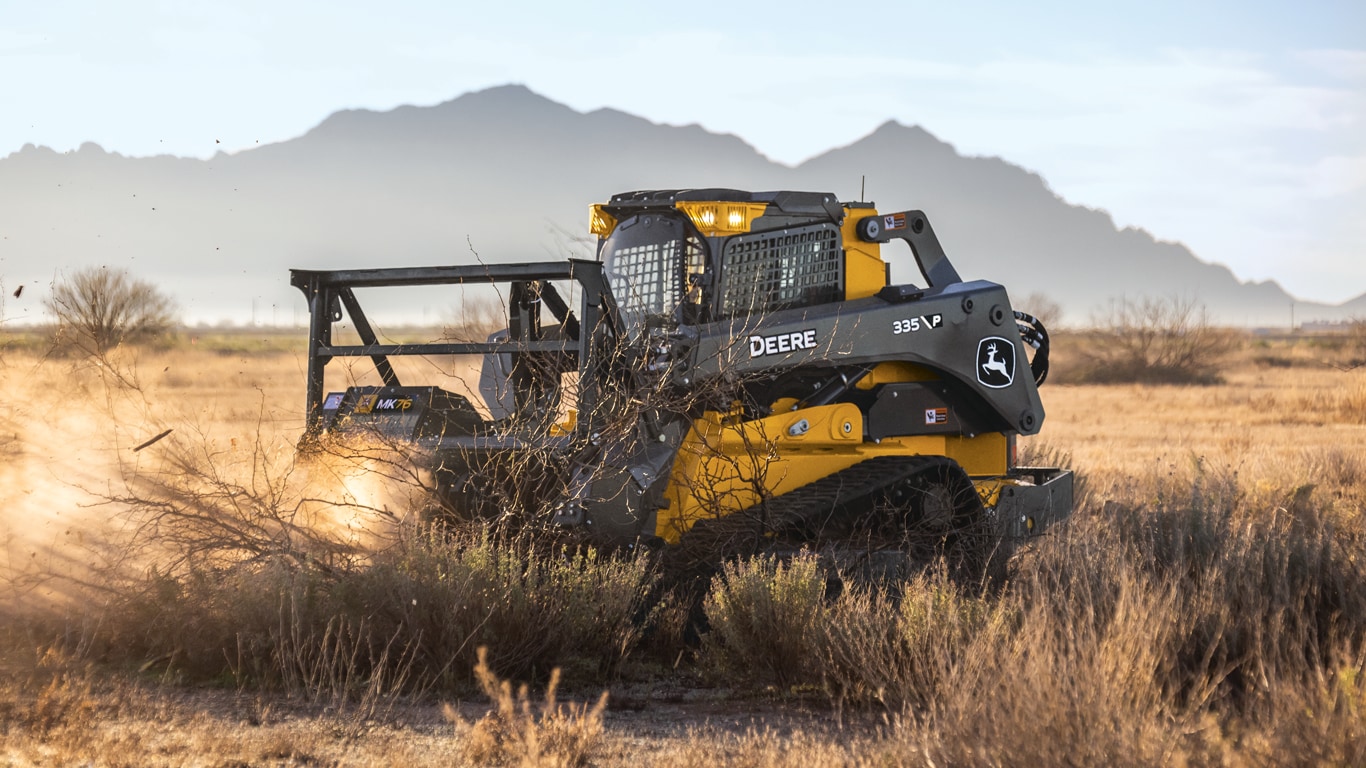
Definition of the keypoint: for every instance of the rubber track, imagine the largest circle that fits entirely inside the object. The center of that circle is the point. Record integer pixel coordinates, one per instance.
(836, 501)
(845, 496)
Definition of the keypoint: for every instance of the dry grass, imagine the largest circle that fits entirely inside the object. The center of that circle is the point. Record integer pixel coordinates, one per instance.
(409, 620)
(1206, 606)
(517, 732)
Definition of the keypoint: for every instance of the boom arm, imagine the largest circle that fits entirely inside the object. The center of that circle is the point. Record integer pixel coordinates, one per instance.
(915, 229)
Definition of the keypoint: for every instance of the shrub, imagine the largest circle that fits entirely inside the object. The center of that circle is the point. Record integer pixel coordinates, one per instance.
(1041, 306)
(771, 622)
(533, 610)
(414, 616)
(1157, 341)
(97, 309)
(763, 615)
(1356, 342)
(475, 319)
(897, 651)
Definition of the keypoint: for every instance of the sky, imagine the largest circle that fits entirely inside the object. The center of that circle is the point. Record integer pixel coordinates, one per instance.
(1237, 128)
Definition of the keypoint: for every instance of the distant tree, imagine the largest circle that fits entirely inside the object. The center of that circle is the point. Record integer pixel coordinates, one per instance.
(1048, 311)
(1356, 341)
(1158, 340)
(97, 309)
(474, 319)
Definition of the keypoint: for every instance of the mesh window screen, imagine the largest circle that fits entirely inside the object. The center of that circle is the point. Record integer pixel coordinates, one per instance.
(770, 271)
(646, 279)
(651, 280)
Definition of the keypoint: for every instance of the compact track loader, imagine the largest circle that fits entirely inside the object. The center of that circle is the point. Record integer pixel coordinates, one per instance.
(731, 363)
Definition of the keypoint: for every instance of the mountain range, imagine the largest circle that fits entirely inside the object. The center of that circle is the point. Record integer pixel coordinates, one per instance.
(505, 174)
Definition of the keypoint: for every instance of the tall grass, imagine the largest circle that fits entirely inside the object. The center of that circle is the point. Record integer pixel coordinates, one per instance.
(1168, 624)
(412, 617)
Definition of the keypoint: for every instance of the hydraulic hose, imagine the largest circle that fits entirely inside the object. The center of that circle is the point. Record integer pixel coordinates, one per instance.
(1035, 335)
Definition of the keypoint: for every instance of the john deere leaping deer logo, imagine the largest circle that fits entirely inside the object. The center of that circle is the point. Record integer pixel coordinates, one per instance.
(995, 362)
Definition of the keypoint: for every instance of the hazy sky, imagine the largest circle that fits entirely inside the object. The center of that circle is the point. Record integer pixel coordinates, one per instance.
(1238, 128)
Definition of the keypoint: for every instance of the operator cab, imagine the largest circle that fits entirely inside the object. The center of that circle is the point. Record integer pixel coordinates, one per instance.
(690, 257)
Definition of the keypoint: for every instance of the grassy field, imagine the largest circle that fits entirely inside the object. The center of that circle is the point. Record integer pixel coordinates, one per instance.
(211, 599)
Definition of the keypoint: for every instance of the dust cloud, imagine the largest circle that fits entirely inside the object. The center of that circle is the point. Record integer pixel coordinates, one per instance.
(58, 461)
(71, 524)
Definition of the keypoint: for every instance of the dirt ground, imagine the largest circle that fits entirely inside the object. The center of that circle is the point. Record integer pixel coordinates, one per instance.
(176, 727)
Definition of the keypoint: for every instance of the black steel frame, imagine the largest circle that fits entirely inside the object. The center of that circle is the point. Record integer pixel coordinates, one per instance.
(328, 291)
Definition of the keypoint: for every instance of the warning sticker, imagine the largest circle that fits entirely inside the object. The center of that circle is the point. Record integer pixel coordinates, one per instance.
(894, 221)
(936, 415)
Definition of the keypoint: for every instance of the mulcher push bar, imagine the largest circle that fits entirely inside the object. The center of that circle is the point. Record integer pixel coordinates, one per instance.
(328, 291)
